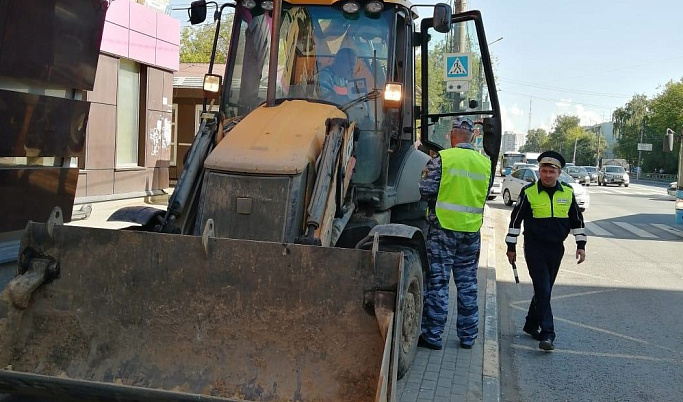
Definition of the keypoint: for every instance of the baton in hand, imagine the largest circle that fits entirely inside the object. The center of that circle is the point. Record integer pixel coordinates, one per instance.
(514, 271)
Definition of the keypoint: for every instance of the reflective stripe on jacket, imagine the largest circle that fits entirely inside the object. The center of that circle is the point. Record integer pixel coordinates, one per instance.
(464, 186)
(543, 207)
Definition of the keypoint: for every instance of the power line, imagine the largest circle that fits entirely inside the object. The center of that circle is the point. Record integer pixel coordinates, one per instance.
(556, 100)
(629, 67)
(592, 93)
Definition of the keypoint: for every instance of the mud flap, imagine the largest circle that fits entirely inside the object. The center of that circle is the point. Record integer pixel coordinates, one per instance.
(145, 316)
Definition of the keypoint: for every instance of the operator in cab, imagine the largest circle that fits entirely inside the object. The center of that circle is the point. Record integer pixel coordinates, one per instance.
(333, 80)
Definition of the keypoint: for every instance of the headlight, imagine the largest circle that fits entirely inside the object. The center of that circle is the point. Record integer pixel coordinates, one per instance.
(267, 5)
(374, 7)
(249, 4)
(351, 7)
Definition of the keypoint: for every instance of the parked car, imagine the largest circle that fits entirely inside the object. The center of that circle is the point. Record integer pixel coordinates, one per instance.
(671, 190)
(579, 174)
(514, 183)
(613, 174)
(518, 165)
(592, 172)
(495, 189)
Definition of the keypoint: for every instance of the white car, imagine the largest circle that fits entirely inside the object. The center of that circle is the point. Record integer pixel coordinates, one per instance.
(515, 182)
(495, 190)
(671, 190)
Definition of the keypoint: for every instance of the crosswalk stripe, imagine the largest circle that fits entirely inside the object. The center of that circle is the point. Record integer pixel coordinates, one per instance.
(597, 230)
(635, 230)
(667, 228)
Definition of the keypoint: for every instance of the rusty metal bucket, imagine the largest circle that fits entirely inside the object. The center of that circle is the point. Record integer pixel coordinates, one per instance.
(126, 315)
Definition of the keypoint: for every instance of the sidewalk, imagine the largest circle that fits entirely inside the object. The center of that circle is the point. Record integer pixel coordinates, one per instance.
(455, 374)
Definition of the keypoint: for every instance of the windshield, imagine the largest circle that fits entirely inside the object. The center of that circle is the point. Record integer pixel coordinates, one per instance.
(565, 178)
(614, 169)
(590, 169)
(323, 55)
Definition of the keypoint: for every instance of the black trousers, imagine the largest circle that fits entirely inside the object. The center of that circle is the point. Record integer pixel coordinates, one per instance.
(543, 260)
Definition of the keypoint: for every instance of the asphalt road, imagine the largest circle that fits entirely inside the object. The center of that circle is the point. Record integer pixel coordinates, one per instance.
(617, 316)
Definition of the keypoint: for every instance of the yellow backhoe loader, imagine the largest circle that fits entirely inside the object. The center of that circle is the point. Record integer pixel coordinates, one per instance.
(289, 264)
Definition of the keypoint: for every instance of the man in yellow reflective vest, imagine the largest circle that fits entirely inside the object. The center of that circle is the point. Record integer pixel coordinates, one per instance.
(549, 212)
(455, 183)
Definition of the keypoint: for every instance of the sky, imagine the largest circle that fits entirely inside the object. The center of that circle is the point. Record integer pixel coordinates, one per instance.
(574, 57)
(579, 57)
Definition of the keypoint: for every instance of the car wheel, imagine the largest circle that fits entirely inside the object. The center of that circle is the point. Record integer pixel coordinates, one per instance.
(491, 197)
(506, 197)
(626, 185)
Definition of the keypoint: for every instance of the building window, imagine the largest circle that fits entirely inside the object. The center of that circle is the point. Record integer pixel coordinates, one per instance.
(174, 135)
(128, 114)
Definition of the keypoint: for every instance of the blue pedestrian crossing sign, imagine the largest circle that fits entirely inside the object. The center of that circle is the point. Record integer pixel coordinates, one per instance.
(457, 66)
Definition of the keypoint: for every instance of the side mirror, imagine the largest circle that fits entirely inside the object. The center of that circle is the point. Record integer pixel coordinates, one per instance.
(669, 140)
(473, 104)
(197, 12)
(442, 17)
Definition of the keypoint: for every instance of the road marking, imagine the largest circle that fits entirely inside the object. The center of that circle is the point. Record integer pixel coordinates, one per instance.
(635, 230)
(598, 354)
(516, 306)
(669, 229)
(593, 292)
(597, 230)
(595, 276)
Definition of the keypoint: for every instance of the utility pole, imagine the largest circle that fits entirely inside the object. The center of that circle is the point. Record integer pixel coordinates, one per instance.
(597, 156)
(528, 125)
(574, 156)
(640, 152)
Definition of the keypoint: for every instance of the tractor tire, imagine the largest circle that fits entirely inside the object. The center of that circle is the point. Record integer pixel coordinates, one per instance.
(413, 302)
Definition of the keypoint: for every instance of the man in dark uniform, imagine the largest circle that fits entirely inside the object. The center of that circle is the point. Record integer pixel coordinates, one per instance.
(549, 211)
(455, 183)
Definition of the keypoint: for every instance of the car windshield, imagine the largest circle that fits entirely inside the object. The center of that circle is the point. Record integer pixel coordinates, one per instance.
(590, 169)
(614, 169)
(565, 178)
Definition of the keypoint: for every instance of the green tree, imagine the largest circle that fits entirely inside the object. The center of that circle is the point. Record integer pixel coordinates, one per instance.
(666, 112)
(559, 139)
(536, 141)
(196, 42)
(583, 146)
(628, 122)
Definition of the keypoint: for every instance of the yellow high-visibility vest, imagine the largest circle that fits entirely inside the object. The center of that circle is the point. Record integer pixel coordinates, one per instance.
(543, 207)
(464, 186)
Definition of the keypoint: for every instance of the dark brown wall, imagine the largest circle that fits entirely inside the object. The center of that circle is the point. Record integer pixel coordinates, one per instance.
(187, 99)
(100, 177)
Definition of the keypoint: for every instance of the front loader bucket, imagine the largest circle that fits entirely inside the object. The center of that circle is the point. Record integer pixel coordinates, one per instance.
(99, 314)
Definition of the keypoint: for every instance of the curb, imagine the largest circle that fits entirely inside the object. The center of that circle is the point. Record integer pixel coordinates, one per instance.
(491, 366)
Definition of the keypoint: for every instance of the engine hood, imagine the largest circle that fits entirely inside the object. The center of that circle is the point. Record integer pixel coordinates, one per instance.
(279, 140)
